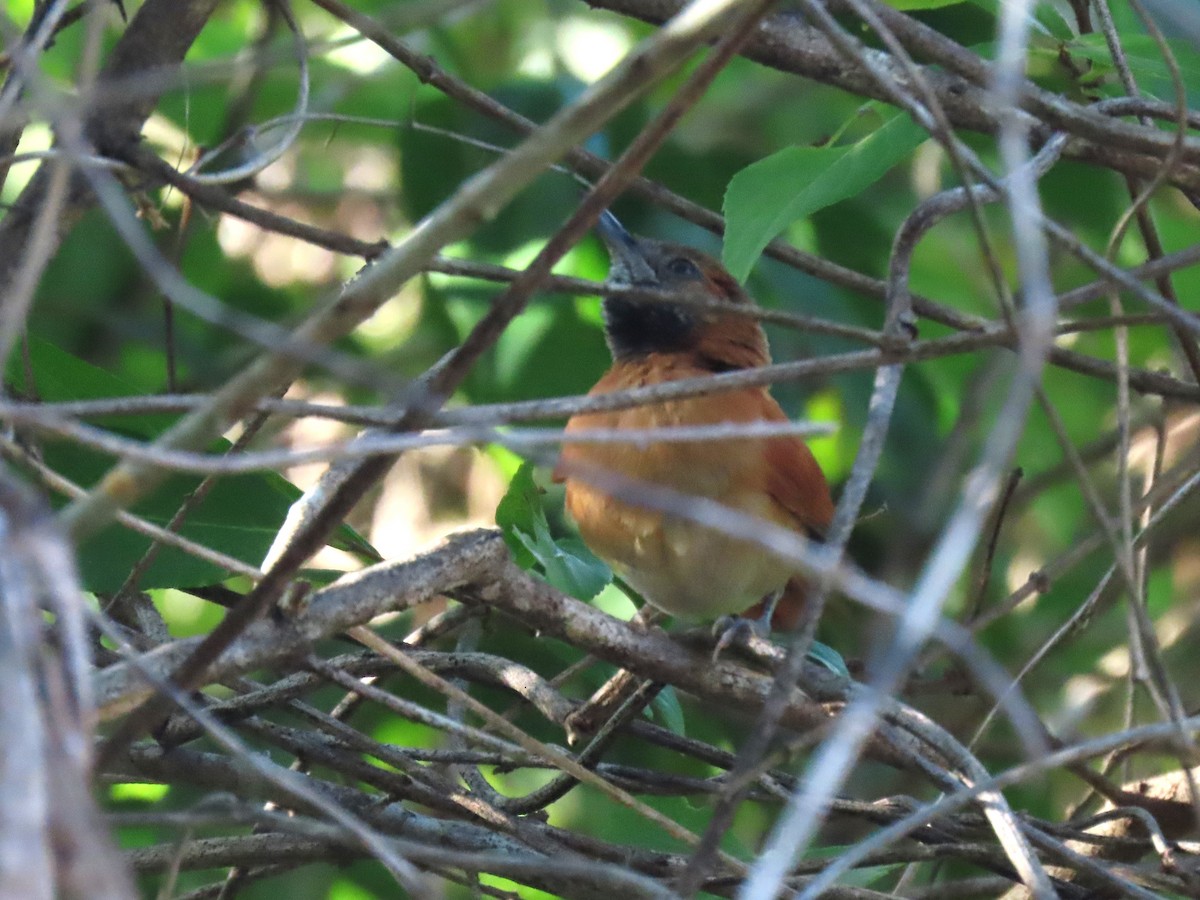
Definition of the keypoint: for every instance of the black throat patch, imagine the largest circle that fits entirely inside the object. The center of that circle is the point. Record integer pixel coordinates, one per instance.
(635, 328)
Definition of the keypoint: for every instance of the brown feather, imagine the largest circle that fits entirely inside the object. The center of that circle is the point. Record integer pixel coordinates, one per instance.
(681, 567)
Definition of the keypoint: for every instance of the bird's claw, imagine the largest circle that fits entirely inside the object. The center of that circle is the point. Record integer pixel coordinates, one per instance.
(736, 631)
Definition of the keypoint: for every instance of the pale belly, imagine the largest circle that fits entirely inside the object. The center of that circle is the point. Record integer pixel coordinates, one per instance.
(682, 568)
(686, 569)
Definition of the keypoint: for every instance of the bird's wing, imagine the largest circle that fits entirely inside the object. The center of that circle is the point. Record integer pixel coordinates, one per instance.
(793, 478)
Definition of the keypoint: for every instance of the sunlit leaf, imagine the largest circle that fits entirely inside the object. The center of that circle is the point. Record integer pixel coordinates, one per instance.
(566, 563)
(767, 196)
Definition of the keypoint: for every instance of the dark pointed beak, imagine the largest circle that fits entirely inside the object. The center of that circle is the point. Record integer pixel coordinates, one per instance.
(628, 261)
(611, 230)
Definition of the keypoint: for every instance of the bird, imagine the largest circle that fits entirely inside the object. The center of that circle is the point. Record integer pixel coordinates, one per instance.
(686, 569)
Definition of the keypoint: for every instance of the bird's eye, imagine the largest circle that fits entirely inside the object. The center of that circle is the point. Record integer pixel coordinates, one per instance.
(682, 267)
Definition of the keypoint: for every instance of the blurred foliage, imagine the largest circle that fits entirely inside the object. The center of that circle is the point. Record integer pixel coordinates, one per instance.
(762, 143)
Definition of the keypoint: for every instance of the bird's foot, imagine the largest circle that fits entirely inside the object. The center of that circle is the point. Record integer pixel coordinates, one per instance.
(740, 631)
(735, 631)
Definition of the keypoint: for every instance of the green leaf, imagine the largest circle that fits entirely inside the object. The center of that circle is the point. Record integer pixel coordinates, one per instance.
(57, 376)
(1145, 61)
(767, 196)
(517, 511)
(667, 709)
(824, 655)
(567, 563)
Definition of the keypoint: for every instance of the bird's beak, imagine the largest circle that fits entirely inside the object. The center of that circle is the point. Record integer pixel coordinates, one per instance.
(628, 263)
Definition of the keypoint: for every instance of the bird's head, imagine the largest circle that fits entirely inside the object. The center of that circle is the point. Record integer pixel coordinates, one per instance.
(635, 327)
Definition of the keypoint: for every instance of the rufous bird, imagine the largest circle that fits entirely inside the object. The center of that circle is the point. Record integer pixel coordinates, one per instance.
(683, 568)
